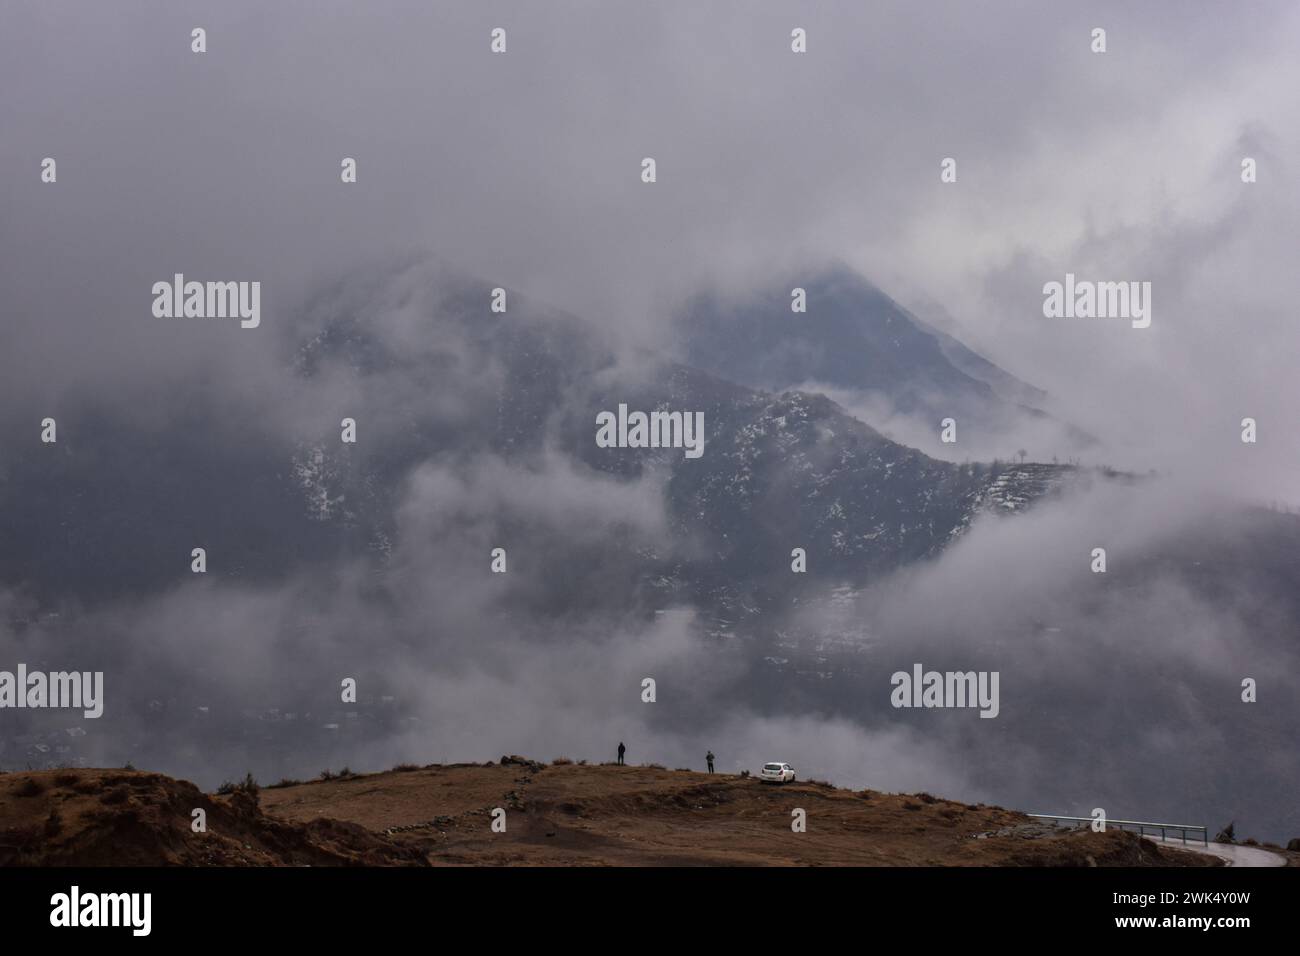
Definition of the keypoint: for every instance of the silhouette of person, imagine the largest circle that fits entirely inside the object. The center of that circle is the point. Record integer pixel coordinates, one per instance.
(621, 750)
(709, 758)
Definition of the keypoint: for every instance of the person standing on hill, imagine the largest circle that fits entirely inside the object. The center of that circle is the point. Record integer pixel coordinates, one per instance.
(621, 750)
(709, 758)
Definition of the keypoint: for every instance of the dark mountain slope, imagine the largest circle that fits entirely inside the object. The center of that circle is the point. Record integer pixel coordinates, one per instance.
(855, 338)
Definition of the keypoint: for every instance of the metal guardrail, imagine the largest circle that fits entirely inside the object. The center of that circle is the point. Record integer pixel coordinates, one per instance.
(1142, 825)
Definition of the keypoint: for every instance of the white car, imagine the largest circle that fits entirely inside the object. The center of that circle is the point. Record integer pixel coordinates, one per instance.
(777, 773)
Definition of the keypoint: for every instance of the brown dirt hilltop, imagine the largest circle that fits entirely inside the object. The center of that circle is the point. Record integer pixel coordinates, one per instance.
(562, 814)
(132, 818)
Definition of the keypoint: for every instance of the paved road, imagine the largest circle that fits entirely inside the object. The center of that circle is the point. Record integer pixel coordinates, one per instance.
(1232, 853)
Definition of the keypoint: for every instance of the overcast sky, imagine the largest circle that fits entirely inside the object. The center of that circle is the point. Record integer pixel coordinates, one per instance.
(524, 169)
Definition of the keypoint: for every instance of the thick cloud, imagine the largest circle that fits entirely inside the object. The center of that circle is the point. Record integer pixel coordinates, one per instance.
(523, 169)
(1120, 690)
